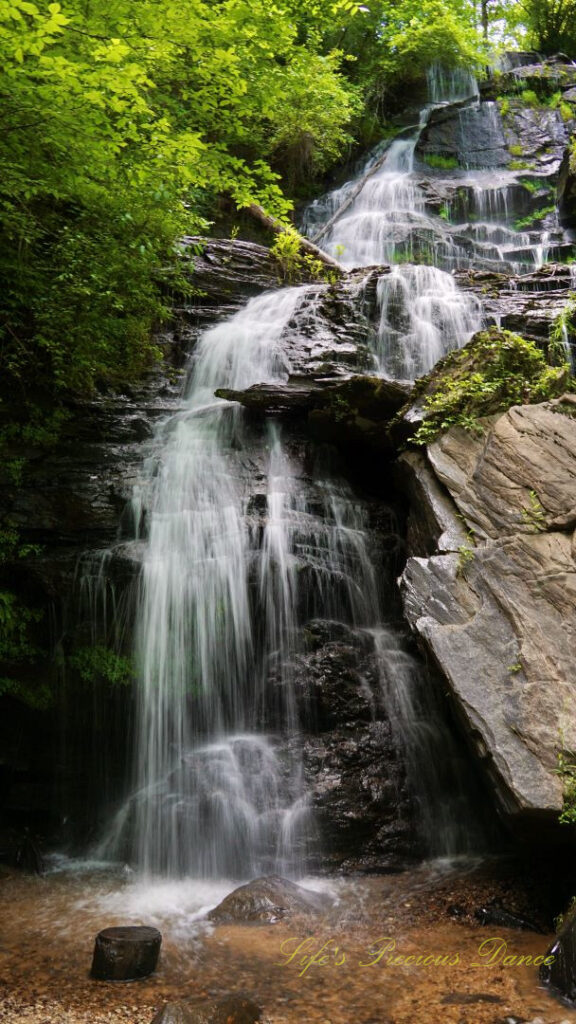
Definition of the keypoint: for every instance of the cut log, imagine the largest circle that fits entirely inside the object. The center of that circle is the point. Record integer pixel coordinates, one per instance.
(275, 225)
(125, 954)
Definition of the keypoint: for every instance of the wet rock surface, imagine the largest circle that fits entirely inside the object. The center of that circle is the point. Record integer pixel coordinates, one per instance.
(354, 409)
(560, 974)
(527, 304)
(267, 899)
(354, 770)
(506, 607)
(236, 1009)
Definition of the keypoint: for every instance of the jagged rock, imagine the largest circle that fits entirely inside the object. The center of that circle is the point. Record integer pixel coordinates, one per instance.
(478, 135)
(354, 409)
(267, 899)
(530, 450)
(535, 136)
(527, 304)
(227, 271)
(432, 526)
(469, 133)
(354, 772)
(499, 616)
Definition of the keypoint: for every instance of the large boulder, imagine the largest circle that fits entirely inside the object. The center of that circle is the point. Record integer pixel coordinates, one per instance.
(267, 900)
(497, 609)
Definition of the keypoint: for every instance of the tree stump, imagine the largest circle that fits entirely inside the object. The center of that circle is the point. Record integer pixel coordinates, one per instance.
(125, 954)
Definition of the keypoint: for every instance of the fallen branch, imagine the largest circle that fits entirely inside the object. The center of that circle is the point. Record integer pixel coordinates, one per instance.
(359, 186)
(279, 228)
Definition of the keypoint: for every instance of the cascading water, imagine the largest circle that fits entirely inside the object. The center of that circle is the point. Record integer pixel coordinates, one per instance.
(219, 790)
(244, 547)
(428, 221)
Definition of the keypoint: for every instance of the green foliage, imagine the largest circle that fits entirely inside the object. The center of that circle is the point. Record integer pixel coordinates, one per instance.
(550, 25)
(15, 621)
(466, 553)
(534, 514)
(122, 124)
(496, 370)
(567, 771)
(533, 218)
(100, 664)
(516, 150)
(531, 186)
(529, 99)
(518, 165)
(562, 334)
(443, 163)
(294, 264)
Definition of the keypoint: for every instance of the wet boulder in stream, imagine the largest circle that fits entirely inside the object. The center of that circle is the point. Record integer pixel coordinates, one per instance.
(267, 900)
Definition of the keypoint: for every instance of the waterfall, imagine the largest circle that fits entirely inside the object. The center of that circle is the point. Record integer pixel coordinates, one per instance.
(244, 547)
(245, 543)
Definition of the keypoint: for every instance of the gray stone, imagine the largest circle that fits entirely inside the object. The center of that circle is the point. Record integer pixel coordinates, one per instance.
(499, 615)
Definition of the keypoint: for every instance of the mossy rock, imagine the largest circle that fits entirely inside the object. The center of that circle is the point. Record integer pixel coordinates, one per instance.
(494, 371)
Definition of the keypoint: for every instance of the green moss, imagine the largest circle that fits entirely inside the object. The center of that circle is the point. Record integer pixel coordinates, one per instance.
(515, 150)
(495, 371)
(533, 218)
(518, 165)
(441, 163)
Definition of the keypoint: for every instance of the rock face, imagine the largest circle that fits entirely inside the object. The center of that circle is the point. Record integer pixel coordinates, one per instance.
(497, 609)
(527, 304)
(354, 769)
(351, 409)
(267, 900)
(517, 129)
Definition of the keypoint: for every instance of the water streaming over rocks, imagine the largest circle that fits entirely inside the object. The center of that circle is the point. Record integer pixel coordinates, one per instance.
(246, 542)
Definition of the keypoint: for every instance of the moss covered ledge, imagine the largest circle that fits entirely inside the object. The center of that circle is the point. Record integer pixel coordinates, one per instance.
(493, 372)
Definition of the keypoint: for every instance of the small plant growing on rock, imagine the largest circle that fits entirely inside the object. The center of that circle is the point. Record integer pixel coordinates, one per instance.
(465, 556)
(294, 264)
(534, 515)
(567, 771)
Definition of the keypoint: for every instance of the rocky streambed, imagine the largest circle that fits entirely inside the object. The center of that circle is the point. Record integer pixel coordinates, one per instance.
(420, 946)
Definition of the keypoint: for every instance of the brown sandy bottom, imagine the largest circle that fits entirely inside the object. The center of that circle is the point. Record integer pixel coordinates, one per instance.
(48, 926)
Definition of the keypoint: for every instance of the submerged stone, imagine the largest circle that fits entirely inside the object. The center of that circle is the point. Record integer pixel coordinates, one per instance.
(233, 1009)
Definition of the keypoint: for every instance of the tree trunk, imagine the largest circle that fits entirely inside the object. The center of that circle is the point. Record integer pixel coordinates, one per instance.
(279, 228)
(125, 954)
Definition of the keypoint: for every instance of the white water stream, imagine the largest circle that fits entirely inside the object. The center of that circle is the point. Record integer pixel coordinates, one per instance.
(219, 788)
